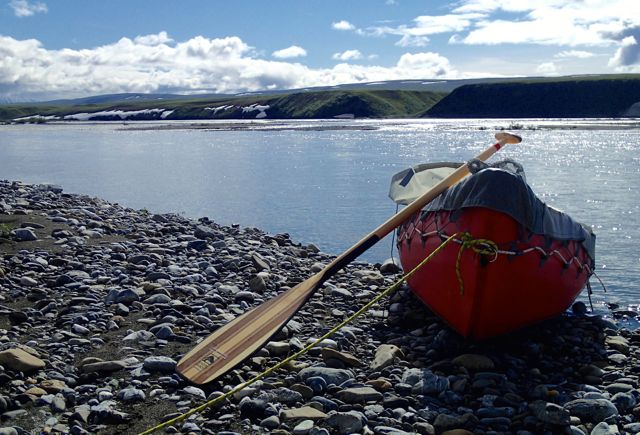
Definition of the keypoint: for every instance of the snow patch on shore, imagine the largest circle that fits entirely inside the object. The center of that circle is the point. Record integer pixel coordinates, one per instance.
(219, 108)
(43, 117)
(122, 114)
(259, 108)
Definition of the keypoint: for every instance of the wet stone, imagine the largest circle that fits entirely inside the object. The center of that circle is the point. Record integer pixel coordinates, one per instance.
(303, 428)
(159, 364)
(424, 381)
(19, 360)
(346, 422)
(24, 235)
(306, 412)
(619, 387)
(131, 395)
(346, 358)
(271, 422)
(104, 366)
(592, 410)
(359, 395)
(330, 375)
(550, 413)
(604, 428)
(385, 356)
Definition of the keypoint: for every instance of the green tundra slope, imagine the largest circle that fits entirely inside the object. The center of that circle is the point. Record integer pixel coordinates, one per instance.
(303, 105)
(617, 96)
(590, 96)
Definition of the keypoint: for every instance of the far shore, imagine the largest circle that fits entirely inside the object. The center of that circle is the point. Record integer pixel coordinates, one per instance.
(363, 124)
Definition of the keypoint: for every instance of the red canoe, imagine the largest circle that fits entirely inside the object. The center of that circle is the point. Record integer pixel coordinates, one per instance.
(538, 263)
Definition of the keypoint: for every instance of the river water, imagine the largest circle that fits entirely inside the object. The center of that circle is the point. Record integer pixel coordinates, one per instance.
(326, 182)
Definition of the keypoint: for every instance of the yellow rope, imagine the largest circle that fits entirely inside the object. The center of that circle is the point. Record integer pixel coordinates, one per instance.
(480, 246)
(270, 370)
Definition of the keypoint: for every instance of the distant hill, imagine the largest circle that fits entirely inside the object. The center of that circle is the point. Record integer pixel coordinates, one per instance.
(587, 97)
(430, 85)
(302, 105)
(314, 105)
(122, 98)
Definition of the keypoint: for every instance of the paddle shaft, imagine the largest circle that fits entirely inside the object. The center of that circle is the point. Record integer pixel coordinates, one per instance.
(231, 344)
(396, 220)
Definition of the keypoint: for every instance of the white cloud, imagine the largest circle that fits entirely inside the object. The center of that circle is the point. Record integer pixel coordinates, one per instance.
(348, 55)
(289, 52)
(157, 39)
(412, 41)
(343, 25)
(416, 34)
(432, 64)
(486, 6)
(550, 22)
(155, 63)
(556, 30)
(547, 69)
(574, 53)
(429, 25)
(22, 8)
(570, 24)
(627, 55)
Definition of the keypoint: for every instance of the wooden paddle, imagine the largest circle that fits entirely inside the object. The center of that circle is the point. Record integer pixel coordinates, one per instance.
(237, 340)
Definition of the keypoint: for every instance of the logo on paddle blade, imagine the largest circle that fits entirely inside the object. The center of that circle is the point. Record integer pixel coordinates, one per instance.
(209, 359)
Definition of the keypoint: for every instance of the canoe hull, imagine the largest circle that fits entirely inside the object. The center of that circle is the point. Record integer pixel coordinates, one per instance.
(532, 278)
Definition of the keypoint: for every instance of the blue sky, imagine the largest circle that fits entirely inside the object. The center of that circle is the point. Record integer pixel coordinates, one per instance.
(63, 48)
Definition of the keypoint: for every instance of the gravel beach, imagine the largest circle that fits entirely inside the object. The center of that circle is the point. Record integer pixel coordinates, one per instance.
(98, 302)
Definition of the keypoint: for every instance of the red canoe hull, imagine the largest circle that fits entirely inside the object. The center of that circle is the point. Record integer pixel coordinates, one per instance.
(532, 278)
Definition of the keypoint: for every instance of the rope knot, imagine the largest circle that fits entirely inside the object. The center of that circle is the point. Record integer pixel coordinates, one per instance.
(479, 246)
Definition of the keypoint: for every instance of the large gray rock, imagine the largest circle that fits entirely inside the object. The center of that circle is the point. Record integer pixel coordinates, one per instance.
(21, 361)
(359, 395)
(603, 428)
(550, 413)
(423, 381)
(138, 336)
(304, 413)
(104, 366)
(385, 356)
(346, 422)
(618, 343)
(591, 410)
(390, 266)
(203, 232)
(24, 235)
(330, 375)
(162, 364)
(303, 428)
(624, 401)
(258, 284)
(123, 296)
(278, 348)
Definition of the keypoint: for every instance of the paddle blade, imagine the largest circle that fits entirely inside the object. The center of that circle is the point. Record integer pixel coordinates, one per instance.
(507, 138)
(239, 339)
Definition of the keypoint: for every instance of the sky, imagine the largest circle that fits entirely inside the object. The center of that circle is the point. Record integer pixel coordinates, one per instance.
(53, 49)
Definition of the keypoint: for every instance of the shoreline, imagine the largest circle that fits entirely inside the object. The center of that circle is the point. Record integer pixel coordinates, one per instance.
(106, 299)
(358, 124)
